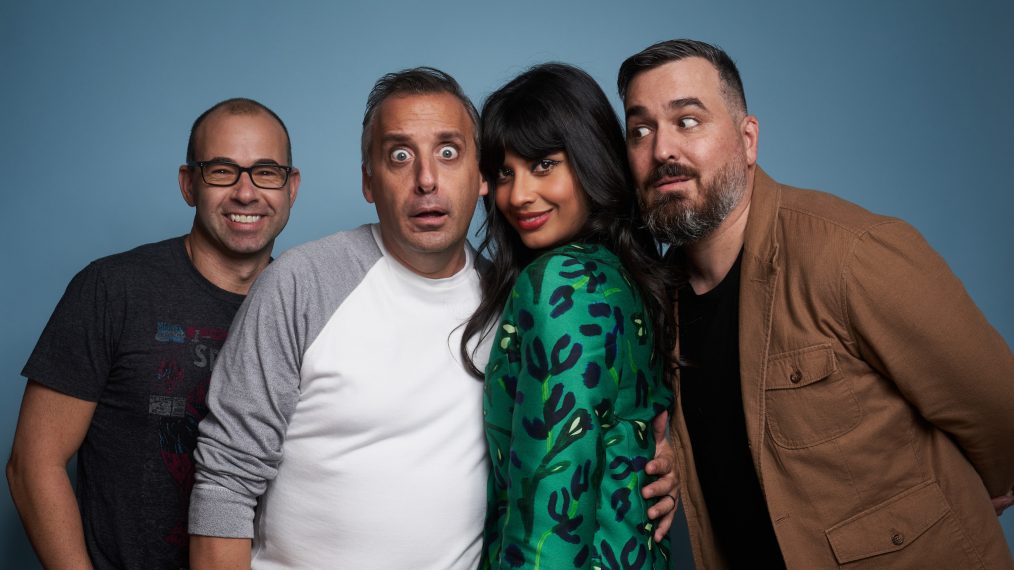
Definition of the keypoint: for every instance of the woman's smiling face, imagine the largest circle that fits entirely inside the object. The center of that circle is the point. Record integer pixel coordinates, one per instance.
(541, 199)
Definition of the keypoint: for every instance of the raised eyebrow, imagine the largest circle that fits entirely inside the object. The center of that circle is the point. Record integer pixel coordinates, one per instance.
(675, 104)
(687, 102)
(451, 136)
(396, 138)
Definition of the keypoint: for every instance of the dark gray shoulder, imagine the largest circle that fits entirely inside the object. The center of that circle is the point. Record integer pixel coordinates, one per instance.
(156, 254)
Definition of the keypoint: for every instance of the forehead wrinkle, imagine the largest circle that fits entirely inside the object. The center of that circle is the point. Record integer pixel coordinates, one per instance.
(394, 137)
(400, 137)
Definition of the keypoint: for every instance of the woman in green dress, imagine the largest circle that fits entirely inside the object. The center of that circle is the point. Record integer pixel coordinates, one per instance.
(577, 369)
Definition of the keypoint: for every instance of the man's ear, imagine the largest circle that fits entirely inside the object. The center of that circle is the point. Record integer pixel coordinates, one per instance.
(186, 186)
(294, 180)
(750, 130)
(367, 189)
(483, 186)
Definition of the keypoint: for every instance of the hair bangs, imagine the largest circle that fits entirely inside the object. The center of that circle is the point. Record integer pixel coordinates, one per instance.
(520, 124)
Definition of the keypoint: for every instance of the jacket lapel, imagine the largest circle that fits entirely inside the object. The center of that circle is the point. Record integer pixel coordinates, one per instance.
(758, 282)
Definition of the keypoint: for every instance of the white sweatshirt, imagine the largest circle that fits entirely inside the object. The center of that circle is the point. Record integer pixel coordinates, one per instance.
(341, 415)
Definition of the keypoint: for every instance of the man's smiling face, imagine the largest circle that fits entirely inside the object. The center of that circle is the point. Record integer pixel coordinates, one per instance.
(239, 220)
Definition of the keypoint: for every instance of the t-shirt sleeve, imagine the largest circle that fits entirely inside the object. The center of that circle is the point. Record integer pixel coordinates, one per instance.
(74, 352)
(570, 326)
(253, 393)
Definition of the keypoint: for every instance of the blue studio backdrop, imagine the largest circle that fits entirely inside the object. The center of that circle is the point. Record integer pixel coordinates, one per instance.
(902, 106)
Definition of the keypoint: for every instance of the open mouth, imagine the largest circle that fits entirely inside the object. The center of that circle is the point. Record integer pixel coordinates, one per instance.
(430, 217)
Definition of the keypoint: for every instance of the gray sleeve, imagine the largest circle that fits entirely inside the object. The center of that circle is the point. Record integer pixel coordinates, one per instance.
(255, 385)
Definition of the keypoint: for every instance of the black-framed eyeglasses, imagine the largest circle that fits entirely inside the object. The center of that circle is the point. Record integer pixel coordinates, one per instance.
(224, 173)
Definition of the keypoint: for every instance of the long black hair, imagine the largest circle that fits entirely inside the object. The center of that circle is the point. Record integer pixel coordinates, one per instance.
(550, 108)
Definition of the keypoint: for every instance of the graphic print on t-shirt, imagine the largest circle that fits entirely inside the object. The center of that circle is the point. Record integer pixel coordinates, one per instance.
(177, 402)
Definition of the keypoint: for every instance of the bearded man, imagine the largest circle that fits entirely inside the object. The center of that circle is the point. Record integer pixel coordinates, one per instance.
(840, 398)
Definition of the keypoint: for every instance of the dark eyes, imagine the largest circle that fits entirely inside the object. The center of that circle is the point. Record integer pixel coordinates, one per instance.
(538, 167)
(503, 173)
(544, 165)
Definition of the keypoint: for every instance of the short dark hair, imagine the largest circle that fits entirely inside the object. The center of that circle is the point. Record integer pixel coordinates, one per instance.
(237, 106)
(675, 50)
(550, 108)
(414, 81)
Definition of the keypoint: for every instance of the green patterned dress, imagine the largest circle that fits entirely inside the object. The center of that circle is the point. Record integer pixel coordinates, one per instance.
(569, 398)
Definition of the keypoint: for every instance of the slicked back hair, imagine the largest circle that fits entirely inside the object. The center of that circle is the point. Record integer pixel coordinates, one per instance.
(414, 81)
(676, 50)
(237, 106)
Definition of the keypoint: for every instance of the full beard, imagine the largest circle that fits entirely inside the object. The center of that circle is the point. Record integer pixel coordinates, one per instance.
(676, 220)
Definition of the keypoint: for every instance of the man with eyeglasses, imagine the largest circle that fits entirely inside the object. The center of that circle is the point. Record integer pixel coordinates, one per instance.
(121, 372)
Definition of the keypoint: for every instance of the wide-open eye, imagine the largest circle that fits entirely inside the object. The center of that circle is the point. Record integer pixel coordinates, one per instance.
(448, 152)
(400, 155)
(688, 122)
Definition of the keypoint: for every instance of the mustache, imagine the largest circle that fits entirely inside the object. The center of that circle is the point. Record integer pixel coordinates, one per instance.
(671, 170)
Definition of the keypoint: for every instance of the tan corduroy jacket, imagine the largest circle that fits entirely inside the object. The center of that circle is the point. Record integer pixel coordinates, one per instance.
(879, 402)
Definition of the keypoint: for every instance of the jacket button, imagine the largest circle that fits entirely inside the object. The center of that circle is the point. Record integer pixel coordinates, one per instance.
(897, 539)
(795, 377)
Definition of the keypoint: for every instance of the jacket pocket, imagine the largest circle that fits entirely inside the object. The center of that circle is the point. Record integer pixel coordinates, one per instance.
(808, 399)
(898, 522)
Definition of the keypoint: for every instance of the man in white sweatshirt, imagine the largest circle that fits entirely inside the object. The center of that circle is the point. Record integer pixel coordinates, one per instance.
(343, 430)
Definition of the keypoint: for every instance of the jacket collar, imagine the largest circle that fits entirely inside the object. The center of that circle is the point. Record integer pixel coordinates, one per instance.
(759, 242)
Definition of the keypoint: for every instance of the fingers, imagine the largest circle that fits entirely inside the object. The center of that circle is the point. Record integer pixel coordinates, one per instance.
(664, 506)
(664, 485)
(662, 465)
(664, 524)
(663, 512)
(665, 456)
(659, 426)
(1001, 503)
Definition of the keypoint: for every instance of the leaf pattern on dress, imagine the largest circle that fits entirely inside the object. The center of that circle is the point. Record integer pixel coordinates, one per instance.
(569, 396)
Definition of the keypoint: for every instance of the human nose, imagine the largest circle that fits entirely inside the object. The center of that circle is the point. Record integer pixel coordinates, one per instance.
(245, 191)
(521, 191)
(426, 176)
(666, 146)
